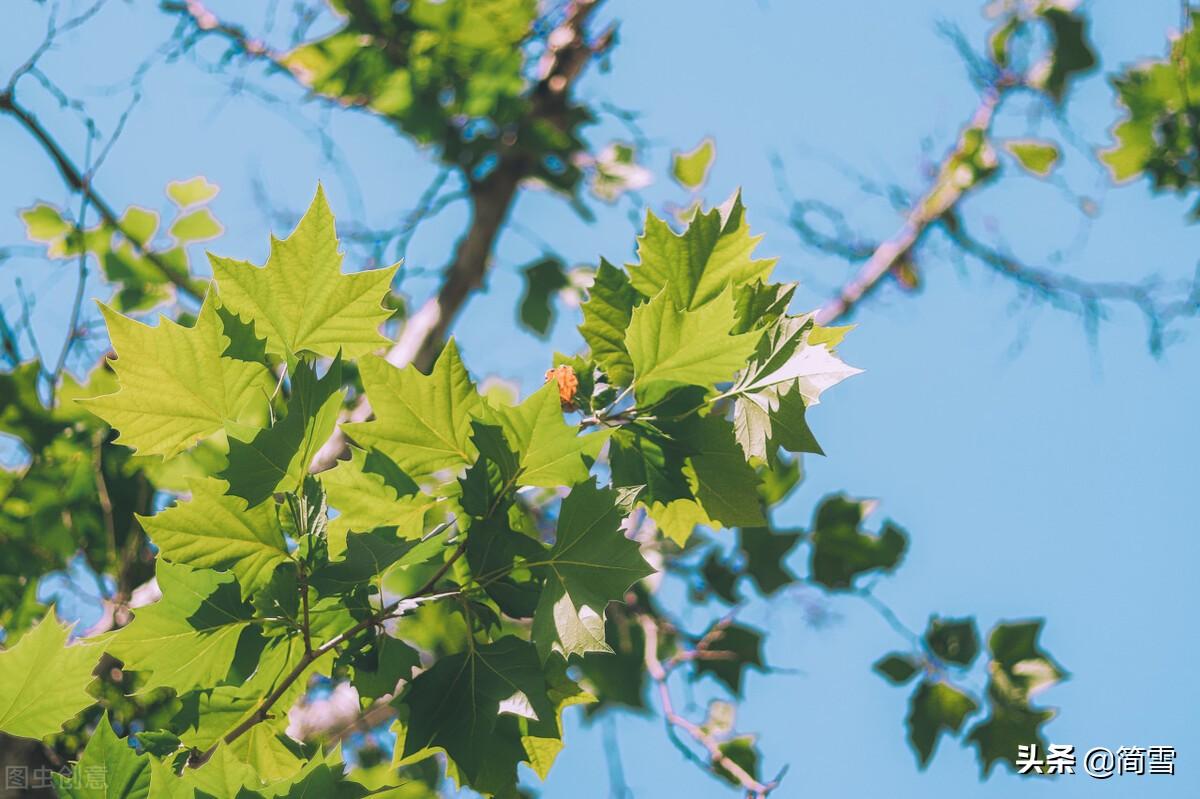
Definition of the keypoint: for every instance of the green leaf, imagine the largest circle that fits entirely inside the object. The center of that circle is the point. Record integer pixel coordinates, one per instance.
(380, 668)
(953, 640)
(198, 225)
(43, 682)
(422, 422)
(766, 557)
(456, 706)
(735, 648)
(935, 707)
(44, 223)
(277, 459)
(1035, 156)
(367, 557)
(678, 518)
(606, 317)
(494, 551)
(1020, 667)
(740, 750)
(841, 552)
(194, 191)
(1071, 53)
(108, 769)
(690, 169)
(897, 668)
(714, 253)
(213, 530)
(543, 279)
(369, 490)
(788, 374)
(551, 452)
(222, 775)
(591, 564)
(140, 224)
(176, 385)
(22, 413)
(300, 300)
(188, 638)
(721, 480)
(207, 716)
(1007, 727)
(671, 346)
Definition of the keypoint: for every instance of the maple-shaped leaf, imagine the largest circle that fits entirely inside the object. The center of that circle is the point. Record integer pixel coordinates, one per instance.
(606, 316)
(841, 551)
(300, 300)
(114, 768)
(456, 706)
(773, 418)
(766, 554)
(716, 469)
(679, 517)
(43, 682)
(422, 422)
(277, 458)
(591, 564)
(188, 638)
(214, 530)
(936, 708)
(671, 346)
(786, 358)
(176, 383)
(714, 252)
(369, 490)
(550, 451)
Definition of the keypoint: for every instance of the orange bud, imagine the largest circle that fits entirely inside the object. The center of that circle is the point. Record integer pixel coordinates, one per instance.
(568, 384)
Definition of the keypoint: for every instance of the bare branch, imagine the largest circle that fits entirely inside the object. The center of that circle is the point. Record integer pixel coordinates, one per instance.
(659, 672)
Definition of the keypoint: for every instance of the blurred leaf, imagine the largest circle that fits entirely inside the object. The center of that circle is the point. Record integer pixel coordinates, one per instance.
(897, 668)
(935, 708)
(841, 552)
(542, 280)
(690, 169)
(194, 191)
(953, 640)
(1037, 157)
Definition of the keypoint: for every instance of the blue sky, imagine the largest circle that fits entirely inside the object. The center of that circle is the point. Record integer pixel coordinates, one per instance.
(1038, 474)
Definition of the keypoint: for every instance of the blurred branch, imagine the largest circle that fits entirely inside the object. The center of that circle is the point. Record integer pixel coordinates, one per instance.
(1160, 303)
(946, 192)
(659, 672)
(80, 182)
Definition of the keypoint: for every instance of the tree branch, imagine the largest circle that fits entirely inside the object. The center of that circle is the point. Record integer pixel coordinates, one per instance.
(659, 673)
(81, 183)
(946, 192)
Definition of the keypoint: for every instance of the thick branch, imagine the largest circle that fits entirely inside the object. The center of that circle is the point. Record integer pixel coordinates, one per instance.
(568, 51)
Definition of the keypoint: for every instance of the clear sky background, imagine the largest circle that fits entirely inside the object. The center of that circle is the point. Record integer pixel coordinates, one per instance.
(1039, 473)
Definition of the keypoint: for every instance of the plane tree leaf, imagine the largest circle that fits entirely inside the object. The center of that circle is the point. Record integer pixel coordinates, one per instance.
(671, 346)
(591, 564)
(213, 530)
(277, 458)
(714, 252)
(43, 682)
(176, 384)
(300, 300)
(422, 422)
(188, 638)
